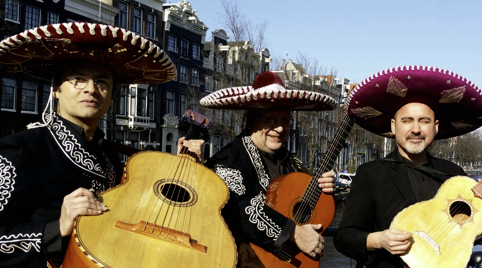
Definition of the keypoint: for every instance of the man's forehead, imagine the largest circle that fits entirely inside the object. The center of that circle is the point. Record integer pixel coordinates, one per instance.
(89, 69)
(415, 109)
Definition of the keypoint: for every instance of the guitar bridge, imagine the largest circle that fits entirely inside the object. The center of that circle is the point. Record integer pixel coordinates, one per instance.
(430, 241)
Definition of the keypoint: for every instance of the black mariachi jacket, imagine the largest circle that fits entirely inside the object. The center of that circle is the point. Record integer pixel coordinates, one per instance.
(38, 168)
(379, 191)
(241, 166)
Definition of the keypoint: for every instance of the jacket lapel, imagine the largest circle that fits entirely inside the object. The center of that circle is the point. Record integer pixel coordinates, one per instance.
(400, 177)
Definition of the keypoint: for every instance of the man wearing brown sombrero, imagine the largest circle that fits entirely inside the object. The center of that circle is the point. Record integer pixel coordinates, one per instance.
(257, 156)
(50, 173)
(414, 105)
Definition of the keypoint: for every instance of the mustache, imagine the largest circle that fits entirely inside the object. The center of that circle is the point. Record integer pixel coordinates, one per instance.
(412, 136)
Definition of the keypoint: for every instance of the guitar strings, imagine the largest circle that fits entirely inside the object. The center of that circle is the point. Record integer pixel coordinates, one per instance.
(440, 229)
(313, 192)
(185, 175)
(174, 170)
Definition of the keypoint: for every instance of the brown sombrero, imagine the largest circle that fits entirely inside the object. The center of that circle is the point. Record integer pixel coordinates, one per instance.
(37, 51)
(456, 101)
(268, 91)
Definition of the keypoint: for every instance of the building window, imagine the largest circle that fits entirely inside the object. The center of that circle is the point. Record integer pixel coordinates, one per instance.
(193, 104)
(184, 48)
(151, 25)
(171, 43)
(141, 102)
(251, 76)
(208, 83)
(137, 22)
(29, 96)
(8, 94)
(52, 18)
(182, 103)
(169, 102)
(45, 95)
(123, 11)
(226, 118)
(150, 104)
(195, 51)
(121, 103)
(11, 10)
(219, 64)
(195, 77)
(183, 74)
(32, 17)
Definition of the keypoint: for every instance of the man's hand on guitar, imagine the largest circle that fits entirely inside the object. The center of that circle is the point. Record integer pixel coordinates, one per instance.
(78, 203)
(193, 146)
(327, 182)
(392, 240)
(308, 240)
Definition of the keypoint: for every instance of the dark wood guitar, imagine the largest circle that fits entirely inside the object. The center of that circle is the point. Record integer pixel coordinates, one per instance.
(297, 196)
(166, 213)
(444, 228)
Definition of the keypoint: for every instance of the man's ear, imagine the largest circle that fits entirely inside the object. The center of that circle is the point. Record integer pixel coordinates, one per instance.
(392, 126)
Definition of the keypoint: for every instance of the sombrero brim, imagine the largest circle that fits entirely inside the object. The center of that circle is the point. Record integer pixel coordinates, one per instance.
(455, 100)
(36, 52)
(273, 97)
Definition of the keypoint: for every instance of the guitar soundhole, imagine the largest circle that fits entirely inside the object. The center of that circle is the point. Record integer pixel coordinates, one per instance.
(301, 212)
(175, 192)
(460, 211)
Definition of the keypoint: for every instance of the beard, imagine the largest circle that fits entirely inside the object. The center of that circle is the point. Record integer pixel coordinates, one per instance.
(415, 147)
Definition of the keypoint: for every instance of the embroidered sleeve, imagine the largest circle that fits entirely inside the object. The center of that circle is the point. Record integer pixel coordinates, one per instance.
(260, 224)
(20, 238)
(232, 177)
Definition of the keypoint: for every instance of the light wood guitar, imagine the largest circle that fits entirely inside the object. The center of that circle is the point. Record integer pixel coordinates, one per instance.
(298, 197)
(444, 228)
(166, 213)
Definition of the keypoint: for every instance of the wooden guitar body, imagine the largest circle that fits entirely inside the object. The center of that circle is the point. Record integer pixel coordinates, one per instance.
(444, 228)
(284, 194)
(156, 221)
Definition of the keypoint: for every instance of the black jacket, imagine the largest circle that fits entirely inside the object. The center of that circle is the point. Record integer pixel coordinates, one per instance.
(38, 168)
(378, 192)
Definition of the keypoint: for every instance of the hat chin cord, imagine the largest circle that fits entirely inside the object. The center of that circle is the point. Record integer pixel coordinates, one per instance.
(47, 114)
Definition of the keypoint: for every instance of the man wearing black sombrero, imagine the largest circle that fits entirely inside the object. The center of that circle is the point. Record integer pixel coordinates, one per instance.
(50, 173)
(414, 105)
(257, 156)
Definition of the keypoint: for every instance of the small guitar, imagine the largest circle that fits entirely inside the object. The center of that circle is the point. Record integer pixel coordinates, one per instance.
(166, 213)
(298, 197)
(444, 228)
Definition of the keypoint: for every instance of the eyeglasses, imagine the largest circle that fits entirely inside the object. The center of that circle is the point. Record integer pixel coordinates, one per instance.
(274, 121)
(81, 82)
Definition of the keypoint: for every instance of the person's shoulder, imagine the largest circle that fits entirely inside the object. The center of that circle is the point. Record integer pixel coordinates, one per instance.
(446, 164)
(25, 137)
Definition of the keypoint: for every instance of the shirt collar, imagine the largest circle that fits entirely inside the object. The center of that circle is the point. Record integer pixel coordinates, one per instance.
(98, 135)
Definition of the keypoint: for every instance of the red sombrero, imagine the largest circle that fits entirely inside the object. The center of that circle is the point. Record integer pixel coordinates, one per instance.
(36, 52)
(268, 91)
(456, 101)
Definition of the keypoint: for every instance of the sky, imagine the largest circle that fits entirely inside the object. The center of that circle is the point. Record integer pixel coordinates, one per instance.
(357, 38)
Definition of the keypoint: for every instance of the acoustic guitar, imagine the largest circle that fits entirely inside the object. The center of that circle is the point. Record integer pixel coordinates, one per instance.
(444, 228)
(166, 213)
(298, 197)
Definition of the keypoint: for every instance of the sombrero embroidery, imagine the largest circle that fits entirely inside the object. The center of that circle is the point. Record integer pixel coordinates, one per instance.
(36, 52)
(456, 101)
(268, 91)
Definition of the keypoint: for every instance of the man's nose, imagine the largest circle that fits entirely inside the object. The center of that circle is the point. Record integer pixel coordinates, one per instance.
(416, 127)
(91, 87)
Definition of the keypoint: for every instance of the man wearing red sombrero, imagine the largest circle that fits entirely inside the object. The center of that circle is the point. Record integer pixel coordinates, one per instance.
(50, 173)
(255, 157)
(414, 105)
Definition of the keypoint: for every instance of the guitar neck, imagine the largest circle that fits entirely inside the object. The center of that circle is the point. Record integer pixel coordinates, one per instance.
(313, 192)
